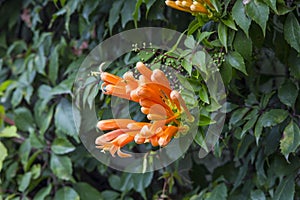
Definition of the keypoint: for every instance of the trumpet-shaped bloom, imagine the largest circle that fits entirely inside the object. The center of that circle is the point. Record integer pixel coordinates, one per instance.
(163, 106)
(192, 6)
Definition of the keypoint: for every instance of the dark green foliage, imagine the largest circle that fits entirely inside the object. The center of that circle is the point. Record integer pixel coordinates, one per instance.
(256, 48)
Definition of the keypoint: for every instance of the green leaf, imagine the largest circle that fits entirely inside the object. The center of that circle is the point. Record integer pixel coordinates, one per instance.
(64, 118)
(226, 72)
(203, 35)
(23, 119)
(294, 64)
(285, 189)
(229, 23)
(259, 12)
(17, 97)
(115, 182)
(273, 117)
(142, 181)
(42, 193)
(292, 31)
(265, 99)
(268, 119)
(24, 182)
(243, 146)
(223, 34)
(64, 87)
(89, 7)
(284, 9)
(235, 60)
(114, 14)
(136, 13)
(257, 195)
(219, 192)
(187, 66)
(36, 141)
(203, 94)
(249, 124)
(240, 17)
(204, 120)
(200, 140)
(61, 166)
(288, 93)
(35, 171)
(86, 191)
(237, 115)
(8, 132)
(194, 26)
(62, 146)
(290, 140)
(66, 193)
(110, 194)
(243, 45)
(271, 4)
(199, 60)
(3, 154)
(149, 4)
(24, 152)
(126, 12)
(43, 117)
(53, 66)
(189, 42)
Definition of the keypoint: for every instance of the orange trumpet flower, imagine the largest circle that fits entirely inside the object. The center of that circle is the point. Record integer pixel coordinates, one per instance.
(194, 7)
(162, 105)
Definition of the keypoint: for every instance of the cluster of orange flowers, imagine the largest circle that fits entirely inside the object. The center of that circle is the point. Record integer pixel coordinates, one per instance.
(163, 106)
(194, 7)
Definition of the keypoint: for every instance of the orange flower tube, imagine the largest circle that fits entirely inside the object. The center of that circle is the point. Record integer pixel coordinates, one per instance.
(110, 124)
(110, 78)
(145, 71)
(172, 4)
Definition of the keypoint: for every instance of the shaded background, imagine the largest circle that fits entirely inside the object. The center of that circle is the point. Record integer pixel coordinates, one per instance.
(256, 47)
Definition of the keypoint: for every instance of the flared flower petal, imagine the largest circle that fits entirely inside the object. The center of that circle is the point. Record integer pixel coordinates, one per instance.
(111, 124)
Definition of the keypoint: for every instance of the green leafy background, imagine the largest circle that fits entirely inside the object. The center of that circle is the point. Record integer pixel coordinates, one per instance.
(256, 46)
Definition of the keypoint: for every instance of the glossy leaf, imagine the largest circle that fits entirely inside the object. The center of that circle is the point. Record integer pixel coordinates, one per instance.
(114, 14)
(285, 189)
(243, 45)
(235, 60)
(290, 139)
(64, 117)
(3, 154)
(43, 193)
(24, 120)
(24, 182)
(66, 193)
(86, 191)
(288, 93)
(61, 166)
(223, 34)
(259, 12)
(8, 132)
(240, 17)
(62, 146)
(219, 192)
(292, 31)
